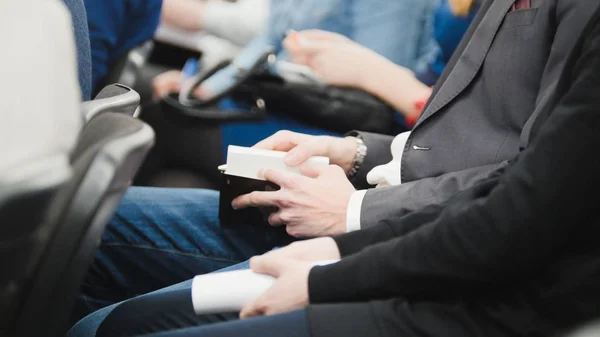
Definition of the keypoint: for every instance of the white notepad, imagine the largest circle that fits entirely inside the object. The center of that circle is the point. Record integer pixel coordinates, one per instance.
(230, 291)
(246, 162)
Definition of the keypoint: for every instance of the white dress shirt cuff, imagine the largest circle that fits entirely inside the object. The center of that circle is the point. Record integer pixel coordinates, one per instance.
(353, 212)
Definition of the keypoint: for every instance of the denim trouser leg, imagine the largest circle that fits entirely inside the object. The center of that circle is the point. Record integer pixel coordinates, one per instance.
(160, 237)
(88, 326)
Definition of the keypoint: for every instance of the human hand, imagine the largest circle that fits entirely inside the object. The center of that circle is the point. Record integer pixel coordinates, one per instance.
(289, 292)
(320, 249)
(170, 82)
(166, 83)
(310, 205)
(336, 59)
(300, 147)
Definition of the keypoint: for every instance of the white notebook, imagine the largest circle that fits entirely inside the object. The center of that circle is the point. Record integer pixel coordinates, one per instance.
(246, 162)
(240, 176)
(230, 291)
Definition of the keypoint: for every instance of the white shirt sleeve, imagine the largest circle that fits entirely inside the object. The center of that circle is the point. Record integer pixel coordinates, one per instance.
(390, 174)
(238, 22)
(384, 175)
(353, 212)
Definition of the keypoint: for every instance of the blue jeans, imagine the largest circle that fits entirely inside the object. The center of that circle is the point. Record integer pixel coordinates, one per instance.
(160, 237)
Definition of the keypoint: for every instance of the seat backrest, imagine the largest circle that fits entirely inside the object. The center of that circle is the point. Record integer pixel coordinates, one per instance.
(38, 129)
(26, 222)
(38, 83)
(84, 50)
(109, 152)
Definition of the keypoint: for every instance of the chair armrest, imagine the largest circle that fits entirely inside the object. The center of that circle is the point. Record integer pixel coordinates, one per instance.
(113, 98)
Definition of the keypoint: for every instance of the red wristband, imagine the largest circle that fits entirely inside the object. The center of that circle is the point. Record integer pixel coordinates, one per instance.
(419, 105)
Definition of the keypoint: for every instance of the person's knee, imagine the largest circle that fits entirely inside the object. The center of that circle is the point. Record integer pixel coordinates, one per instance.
(145, 206)
(172, 220)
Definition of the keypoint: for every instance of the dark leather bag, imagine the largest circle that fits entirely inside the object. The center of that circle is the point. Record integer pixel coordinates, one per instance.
(333, 108)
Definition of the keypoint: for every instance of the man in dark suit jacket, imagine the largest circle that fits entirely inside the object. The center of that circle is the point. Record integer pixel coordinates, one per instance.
(515, 255)
(476, 121)
(473, 124)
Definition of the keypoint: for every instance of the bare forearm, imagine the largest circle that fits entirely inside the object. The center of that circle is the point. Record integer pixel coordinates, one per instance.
(184, 14)
(394, 84)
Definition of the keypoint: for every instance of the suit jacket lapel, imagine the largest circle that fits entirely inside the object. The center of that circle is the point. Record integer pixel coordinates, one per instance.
(460, 49)
(469, 57)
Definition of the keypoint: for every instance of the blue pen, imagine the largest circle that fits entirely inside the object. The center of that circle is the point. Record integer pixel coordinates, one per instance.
(191, 68)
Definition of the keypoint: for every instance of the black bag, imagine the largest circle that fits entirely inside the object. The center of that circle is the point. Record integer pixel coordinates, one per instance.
(333, 108)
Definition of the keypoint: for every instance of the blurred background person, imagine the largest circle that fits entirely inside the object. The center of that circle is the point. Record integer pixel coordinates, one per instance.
(219, 29)
(399, 30)
(338, 60)
(341, 62)
(368, 23)
(116, 27)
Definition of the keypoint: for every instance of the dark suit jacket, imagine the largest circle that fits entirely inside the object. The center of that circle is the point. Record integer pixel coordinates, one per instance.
(473, 123)
(516, 255)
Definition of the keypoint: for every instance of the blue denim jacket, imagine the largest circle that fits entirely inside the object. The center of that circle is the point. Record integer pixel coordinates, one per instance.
(400, 30)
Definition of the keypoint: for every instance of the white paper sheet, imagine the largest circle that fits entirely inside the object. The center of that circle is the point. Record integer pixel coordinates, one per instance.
(230, 291)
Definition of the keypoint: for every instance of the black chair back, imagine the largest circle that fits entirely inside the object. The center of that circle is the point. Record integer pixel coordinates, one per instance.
(27, 221)
(108, 154)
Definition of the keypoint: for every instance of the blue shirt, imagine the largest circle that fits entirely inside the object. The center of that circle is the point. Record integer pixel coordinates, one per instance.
(397, 29)
(117, 26)
(449, 30)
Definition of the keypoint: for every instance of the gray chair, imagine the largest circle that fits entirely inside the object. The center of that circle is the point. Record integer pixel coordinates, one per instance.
(67, 222)
(59, 182)
(27, 219)
(114, 98)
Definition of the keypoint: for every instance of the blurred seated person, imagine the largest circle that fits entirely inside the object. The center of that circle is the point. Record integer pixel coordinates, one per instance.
(399, 31)
(342, 62)
(368, 23)
(116, 27)
(219, 29)
(515, 255)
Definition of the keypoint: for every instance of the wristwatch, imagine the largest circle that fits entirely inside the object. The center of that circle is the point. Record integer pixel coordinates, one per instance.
(359, 157)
